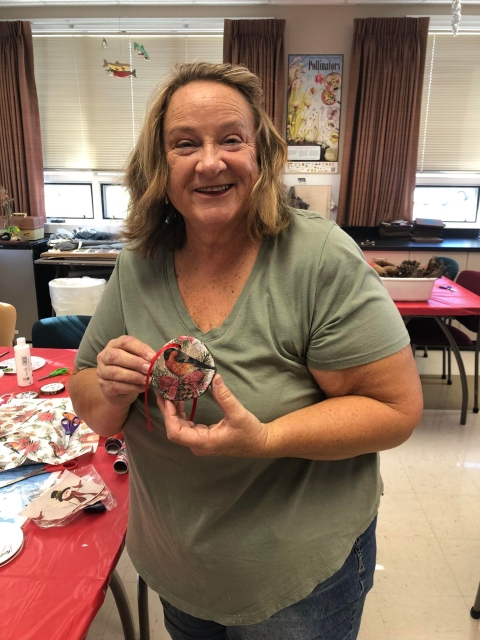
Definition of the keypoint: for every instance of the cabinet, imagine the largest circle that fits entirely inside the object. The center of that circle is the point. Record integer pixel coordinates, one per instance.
(20, 285)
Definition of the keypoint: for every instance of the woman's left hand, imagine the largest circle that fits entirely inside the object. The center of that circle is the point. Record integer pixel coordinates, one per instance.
(238, 434)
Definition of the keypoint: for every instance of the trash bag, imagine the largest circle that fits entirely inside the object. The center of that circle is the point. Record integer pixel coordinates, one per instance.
(76, 296)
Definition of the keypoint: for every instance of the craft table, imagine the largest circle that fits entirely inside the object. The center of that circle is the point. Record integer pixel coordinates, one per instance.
(442, 304)
(53, 589)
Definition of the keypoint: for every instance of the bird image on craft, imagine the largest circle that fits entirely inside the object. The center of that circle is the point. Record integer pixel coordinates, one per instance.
(181, 365)
(184, 369)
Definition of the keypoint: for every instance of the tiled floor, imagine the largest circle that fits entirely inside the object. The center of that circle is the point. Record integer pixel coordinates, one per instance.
(428, 565)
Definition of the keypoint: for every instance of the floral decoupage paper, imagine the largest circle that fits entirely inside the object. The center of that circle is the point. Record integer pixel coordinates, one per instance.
(32, 429)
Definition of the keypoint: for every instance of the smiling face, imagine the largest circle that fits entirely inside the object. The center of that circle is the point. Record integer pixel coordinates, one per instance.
(210, 146)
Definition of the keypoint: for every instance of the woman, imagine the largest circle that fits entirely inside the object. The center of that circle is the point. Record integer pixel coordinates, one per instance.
(256, 521)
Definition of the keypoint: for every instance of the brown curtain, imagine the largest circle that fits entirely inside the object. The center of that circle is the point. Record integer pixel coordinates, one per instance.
(258, 45)
(21, 163)
(383, 119)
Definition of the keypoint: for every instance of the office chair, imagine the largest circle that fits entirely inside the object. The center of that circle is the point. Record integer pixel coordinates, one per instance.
(424, 332)
(8, 320)
(61, 332)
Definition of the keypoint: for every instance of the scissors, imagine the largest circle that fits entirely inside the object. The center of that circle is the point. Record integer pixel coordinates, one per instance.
(68, 465)
(446, 286)
(57, 372)
(70, 425)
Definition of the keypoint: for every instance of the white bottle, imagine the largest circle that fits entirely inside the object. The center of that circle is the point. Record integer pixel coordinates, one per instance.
(23, 363)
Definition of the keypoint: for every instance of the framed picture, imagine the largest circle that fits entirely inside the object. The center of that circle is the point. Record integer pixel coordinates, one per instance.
(313, 111)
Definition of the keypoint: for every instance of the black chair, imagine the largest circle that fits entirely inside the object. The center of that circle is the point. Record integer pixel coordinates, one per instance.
(60, 332)
(424, 332)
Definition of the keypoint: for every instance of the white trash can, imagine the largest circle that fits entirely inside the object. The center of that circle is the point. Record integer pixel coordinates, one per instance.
(76, 296)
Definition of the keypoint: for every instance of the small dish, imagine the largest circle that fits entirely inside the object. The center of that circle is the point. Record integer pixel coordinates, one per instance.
(11, 537)
(37, 363)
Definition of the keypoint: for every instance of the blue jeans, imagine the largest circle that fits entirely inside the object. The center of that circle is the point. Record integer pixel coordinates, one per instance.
(332, 611)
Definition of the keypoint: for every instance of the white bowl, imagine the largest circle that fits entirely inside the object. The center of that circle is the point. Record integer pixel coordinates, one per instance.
(409, 289)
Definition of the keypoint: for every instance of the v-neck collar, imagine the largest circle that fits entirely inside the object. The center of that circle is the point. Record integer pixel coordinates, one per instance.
(182, 311)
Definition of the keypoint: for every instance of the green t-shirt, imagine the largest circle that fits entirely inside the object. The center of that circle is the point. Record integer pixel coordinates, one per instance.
(235, 539)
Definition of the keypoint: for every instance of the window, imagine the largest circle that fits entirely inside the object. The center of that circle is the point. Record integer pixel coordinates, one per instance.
(446, 203)
(115, 199)
(64, 200)
(450, 122)
(90, 120)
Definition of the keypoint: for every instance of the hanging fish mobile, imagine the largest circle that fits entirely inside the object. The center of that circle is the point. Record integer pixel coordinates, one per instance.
(119, 69)
(140, 49)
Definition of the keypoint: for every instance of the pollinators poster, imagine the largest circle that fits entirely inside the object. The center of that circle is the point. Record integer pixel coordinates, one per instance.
(313, 111)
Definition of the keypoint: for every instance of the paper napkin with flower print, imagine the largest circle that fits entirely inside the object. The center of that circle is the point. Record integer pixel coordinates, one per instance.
(32, 429)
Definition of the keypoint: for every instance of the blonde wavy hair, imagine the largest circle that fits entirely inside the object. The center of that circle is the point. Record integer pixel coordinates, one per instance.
(152, 220)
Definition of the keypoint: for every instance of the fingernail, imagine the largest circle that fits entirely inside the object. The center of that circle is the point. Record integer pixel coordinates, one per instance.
(145, 367)
(150, 355)
(217, 381)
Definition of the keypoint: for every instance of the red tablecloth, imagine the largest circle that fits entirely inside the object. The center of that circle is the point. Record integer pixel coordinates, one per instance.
(444, 302)
(55, 586)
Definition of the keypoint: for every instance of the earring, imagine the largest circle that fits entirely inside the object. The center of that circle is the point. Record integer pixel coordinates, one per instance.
(167, 201)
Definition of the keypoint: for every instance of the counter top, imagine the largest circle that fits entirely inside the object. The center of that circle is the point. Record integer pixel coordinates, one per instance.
(405, 244)
(452, 240)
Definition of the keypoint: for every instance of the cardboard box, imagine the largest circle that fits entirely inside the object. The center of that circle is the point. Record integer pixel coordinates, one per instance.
(31, 227)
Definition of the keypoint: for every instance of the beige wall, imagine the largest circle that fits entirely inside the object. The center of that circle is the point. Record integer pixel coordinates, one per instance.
(310, 29)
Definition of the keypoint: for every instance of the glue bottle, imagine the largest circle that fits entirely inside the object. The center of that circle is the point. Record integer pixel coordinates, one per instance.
(23, 363)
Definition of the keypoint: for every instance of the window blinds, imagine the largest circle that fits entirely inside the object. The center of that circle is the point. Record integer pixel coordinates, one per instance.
(450, 117)
(91, 120)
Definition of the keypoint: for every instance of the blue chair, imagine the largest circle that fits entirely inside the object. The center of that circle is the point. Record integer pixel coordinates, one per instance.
(60, 332)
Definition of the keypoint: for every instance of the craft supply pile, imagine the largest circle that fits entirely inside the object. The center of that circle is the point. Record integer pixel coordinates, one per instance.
(42, 430)
(40, 441)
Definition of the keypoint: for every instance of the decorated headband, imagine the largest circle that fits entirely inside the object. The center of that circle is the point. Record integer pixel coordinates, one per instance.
(184, 372)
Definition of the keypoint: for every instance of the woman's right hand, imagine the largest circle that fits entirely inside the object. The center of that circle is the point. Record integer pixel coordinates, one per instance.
(122, 369)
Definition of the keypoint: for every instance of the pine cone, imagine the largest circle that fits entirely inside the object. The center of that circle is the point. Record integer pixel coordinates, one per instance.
(380, 270)
(391, 271)
(410, 269)
(383, 263)
(435, 268)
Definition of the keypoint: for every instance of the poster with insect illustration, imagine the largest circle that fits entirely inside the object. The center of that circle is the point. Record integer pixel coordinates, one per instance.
(313, 109)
